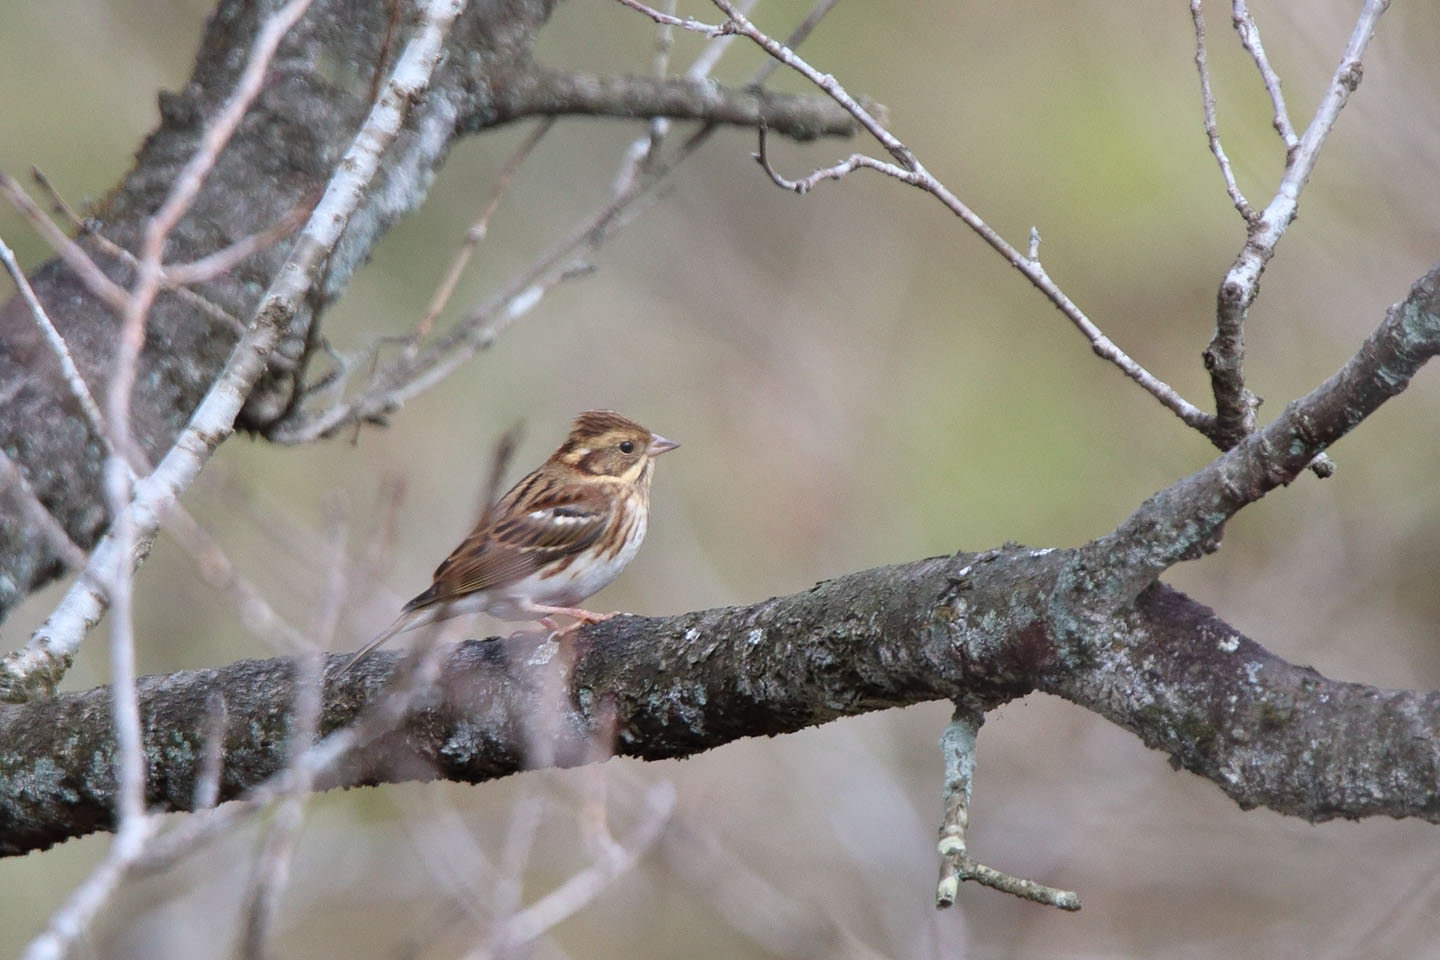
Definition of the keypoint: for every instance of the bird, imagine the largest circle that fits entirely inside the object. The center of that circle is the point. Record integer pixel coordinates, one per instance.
(558, 536)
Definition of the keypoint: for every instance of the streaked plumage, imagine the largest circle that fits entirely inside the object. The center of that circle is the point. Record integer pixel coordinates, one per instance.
(558, 536)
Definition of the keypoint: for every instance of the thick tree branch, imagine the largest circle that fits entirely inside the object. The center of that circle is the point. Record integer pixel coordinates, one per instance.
(970, 626)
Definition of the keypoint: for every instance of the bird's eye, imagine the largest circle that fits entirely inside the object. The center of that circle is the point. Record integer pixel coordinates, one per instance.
(627, 446)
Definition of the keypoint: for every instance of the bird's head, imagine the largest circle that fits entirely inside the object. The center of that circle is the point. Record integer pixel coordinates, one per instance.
(608, 444)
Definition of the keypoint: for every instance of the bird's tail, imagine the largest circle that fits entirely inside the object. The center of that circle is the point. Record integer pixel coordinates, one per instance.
(408, 620)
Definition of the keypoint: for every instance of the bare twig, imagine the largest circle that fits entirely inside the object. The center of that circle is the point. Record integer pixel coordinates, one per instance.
(911, 171)
(833, 172)
(149, 272)
(507, 891)
(582, 888)
(1250, 36)
(79, 389)
(224, 260)
(245, 599)
(115, 296)
(392, 28)
(1212, 128)
(218, 132)
(642, 150)
(272, 867)
(212, 768)
(956, 865)
(1235, 404)
(477, 232)
(65, 548)
(670, 20)
(69, 923)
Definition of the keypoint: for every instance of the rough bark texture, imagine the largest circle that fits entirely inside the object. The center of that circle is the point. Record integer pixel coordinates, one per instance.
(316, 94)
(967, 627)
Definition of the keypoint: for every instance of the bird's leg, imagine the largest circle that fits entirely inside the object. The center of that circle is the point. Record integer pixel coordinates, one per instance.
(544, 613)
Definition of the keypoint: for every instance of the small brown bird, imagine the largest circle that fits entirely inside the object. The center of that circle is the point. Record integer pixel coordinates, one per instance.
(558, 536)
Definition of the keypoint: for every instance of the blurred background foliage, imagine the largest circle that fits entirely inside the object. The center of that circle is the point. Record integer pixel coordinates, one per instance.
(856, 380)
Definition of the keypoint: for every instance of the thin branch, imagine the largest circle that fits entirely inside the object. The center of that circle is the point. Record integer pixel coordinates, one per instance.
(65, 548)
(1177, 522)
(834, 172)
(477, 232)
(115, 296)
(581, 889)
(226, 259)
(148, 279)
(1235, 404)
(218, 132)
(207, 784)
(1212, 128)
(912, 172)
(645, 148)
(957, 745)
(711, 30)
(246, 600)
(508, 887)
(1250, 37)
(70, 923)
(79, 389)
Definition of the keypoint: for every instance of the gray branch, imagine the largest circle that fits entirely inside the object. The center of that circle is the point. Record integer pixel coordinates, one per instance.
(536, 91)
(970, 627)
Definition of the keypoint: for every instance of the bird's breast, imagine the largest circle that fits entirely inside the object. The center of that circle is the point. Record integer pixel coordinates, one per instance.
(568, 583)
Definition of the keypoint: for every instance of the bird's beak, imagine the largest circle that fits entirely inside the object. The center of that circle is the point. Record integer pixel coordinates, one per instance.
(659, 445)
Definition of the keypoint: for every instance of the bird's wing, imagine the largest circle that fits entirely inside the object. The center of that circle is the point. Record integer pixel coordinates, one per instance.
(548, 522)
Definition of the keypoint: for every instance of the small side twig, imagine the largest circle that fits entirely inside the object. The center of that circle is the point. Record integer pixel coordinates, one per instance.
(956, 865)
(1212, 127)
(272, 866)
(476, 233)
(79, 389)
(115, 296)
(65, 548)
(1249, 33)
(246, 600)
(212, 766)
(222, 261)
(582, 888)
